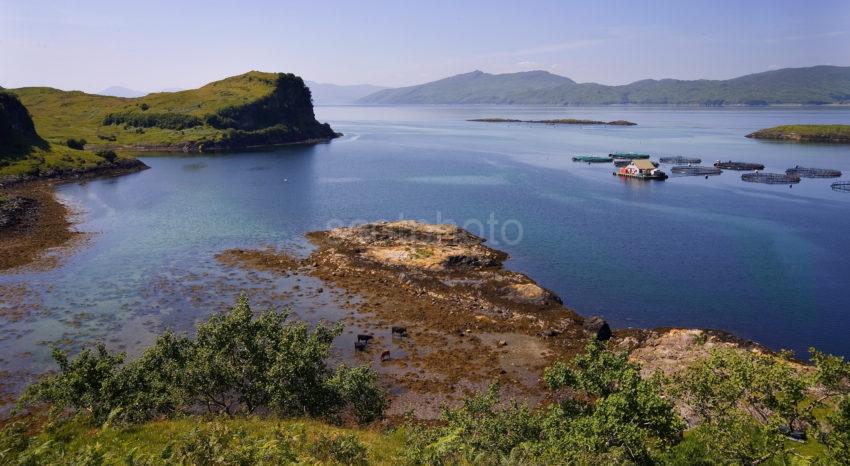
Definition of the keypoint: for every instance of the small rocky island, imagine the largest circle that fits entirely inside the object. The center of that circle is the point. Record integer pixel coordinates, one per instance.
(831, 134)
(558, 121)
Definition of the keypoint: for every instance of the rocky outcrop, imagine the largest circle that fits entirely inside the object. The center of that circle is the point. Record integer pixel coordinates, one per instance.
(16, 126)
(596, 327)
(13, 210)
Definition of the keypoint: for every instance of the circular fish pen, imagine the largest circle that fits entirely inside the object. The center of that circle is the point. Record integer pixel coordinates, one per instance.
(695, 170)
(841, 186)
(813, 172)
(770, 178)
(741, 166)
(591, 159)
(679, 160)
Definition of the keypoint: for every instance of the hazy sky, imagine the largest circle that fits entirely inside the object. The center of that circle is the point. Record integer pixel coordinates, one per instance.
(152, 44)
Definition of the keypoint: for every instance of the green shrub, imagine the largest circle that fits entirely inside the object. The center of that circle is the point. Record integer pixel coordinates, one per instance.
(358, 388)
(91, 383)
(153, 120)
(108, 155)
(837, 440)
(78, 144)
(343, 449)
(219, 444)
(236, 364)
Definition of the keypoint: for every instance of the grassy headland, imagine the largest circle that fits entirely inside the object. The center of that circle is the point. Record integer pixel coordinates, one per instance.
(252, 109)
(835, 134)
(24, 154)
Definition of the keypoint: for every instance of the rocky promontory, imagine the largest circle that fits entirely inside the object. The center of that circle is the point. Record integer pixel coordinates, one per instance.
(467, 319)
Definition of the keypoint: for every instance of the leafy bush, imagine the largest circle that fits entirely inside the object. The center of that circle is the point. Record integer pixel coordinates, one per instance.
(153, 120)
(236, 364)
(837, 440)
(90, 383)
(358, 387)
(343, 449)
(79, 144)
(224, 445)
(108, 155)
(606, 414)
(747, 402)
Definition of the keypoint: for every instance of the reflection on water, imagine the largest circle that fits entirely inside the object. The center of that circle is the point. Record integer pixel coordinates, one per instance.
(766, 262)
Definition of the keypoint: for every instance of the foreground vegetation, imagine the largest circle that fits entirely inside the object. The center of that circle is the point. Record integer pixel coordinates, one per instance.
(258, 390)
(806, 133)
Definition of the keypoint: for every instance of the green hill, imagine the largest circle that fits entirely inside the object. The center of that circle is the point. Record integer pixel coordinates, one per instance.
(471, 88)
(24, 154)
(803, 86)
(834, 134)
(253, 109)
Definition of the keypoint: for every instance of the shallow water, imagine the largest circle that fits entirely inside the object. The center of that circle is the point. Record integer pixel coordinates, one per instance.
(765, 262)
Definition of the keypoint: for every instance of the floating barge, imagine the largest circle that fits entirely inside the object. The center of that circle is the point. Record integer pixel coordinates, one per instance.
(679, 160)
(740, 166)
(641, 169)
(626, 162)
(770, 178)
(813, 172)
(628, 155)
(591, 159)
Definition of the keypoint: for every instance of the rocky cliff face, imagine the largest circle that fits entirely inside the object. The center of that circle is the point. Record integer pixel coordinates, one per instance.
(16, 126)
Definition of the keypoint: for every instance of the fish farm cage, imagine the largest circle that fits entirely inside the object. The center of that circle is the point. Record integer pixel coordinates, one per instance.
(770, 178)
(591, 159)
(814, 172)
(743, 166)
(841, 186)
(679, 160)
(695, 170)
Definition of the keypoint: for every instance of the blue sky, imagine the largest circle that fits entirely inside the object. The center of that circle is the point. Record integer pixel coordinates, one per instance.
(152, 44)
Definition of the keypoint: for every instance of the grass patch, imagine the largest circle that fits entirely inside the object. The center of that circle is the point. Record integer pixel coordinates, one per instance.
(308, 441)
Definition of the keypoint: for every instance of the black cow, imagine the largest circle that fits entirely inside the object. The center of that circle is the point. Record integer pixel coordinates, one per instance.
(400, 331)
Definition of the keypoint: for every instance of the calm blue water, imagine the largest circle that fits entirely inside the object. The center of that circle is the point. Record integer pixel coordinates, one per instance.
(768, 263)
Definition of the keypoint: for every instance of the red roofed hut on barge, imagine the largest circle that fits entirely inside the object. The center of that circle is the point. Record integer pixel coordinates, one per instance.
(641, 169)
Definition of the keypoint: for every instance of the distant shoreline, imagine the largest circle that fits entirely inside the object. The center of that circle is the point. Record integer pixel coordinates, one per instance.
(558, 121)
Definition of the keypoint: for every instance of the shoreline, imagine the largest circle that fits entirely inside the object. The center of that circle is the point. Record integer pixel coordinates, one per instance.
(201, 148)
(47, 223)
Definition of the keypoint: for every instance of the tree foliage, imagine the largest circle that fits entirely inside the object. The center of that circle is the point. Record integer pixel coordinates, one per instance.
(236, 364)
(606, 414)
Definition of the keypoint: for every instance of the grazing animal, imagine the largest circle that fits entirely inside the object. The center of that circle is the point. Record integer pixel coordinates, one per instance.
(385, 355)
(360, 345)
(366, 338)
(401, 331)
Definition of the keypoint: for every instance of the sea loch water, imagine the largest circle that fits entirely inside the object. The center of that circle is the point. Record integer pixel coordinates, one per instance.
(768, 263)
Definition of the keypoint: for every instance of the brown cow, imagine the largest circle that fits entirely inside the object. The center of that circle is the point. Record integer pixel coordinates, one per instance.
(385, 355)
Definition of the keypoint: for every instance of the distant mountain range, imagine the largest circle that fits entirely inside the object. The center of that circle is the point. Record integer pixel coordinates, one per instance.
(815, 85)
(335, 94)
